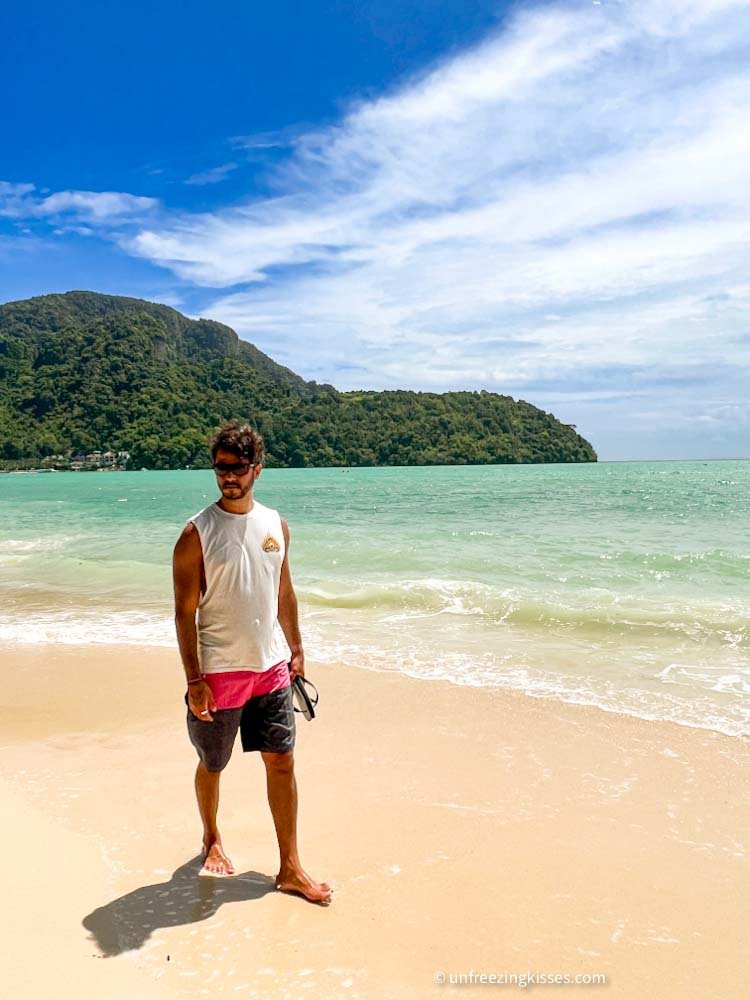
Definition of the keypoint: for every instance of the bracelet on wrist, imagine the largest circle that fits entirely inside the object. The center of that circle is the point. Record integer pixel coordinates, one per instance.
(195, 680)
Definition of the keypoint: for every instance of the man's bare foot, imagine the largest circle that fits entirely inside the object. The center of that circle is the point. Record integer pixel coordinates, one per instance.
(215, 861)
(299, 882)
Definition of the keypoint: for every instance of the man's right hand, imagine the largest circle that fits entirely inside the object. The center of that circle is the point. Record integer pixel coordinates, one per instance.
(201, 701)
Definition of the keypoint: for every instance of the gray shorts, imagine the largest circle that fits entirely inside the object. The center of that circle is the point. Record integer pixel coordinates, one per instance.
(266, 723)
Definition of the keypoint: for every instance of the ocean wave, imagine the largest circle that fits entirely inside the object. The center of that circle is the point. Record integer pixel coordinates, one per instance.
(604, 614)
(15, 547)
(685, 696)
(711, 694)
(84, 628)
(721, 562)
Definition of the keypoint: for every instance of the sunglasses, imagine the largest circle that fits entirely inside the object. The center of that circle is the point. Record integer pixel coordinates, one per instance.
(236, 468)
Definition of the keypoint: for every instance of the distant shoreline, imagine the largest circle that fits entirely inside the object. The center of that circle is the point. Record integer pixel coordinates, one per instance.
(448, 465)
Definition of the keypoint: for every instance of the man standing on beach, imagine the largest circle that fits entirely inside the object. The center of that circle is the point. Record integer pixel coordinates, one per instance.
(231, 567)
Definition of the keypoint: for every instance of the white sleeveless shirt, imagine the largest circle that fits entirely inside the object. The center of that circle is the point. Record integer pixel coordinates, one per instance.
(238, 627)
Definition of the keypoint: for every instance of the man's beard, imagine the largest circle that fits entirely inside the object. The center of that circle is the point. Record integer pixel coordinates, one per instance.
(236, 492)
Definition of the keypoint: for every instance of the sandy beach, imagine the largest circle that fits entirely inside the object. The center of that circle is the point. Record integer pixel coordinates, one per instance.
(465, 830)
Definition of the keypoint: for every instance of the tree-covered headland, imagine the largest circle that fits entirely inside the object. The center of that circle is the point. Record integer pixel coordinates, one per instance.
(84, 372)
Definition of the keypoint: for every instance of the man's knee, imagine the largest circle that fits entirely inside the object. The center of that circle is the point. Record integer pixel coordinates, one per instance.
(279, 763)
(212, 769)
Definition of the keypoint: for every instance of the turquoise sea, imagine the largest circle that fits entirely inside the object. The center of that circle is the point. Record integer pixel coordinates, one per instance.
(620, 585)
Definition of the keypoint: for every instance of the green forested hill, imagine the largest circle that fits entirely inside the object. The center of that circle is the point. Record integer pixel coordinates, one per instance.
(86, 372)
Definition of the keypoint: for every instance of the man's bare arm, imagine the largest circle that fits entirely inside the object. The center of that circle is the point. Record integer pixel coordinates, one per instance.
(187, 572)
(288, 618)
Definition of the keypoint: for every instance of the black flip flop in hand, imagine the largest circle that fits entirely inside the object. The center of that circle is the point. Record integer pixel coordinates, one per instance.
(302, 698)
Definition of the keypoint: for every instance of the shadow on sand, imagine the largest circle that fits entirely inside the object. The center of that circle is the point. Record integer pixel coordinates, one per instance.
(128, 922)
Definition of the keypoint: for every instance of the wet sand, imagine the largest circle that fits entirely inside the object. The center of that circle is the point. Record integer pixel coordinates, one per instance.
(463, 829)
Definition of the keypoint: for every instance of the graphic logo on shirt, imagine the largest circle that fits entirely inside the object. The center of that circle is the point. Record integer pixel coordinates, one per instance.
(270, 544)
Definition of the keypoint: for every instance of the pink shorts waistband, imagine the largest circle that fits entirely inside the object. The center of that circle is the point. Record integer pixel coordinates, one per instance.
(233, 688)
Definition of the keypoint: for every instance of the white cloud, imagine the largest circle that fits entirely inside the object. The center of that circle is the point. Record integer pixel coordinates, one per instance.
(19, 201)
(277, 139)
(213, 176)
(8, 190)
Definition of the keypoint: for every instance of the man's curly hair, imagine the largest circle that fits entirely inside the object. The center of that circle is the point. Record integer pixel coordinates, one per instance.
(241, 439)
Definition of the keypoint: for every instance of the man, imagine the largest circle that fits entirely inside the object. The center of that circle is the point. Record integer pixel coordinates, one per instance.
(231, 567)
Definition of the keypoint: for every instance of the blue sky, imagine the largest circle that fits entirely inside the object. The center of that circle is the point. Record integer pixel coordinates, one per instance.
(546, 200)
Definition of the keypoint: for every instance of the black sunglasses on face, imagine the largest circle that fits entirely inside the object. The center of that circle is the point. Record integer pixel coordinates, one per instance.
(237, 468)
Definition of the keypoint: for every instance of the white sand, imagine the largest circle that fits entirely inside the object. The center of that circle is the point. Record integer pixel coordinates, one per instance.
(463, 829)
